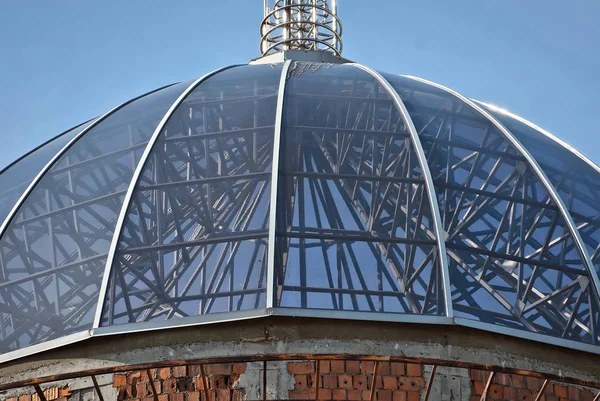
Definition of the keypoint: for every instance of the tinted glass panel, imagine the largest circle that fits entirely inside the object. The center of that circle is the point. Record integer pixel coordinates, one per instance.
(513, 261)
(16, 178)
(354, 228)
(195, 238)
(53, 253)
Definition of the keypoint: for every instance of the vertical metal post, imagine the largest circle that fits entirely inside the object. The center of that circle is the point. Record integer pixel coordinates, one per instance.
(152, 386)
(373, 381)
(430, 383)
(317, 376)
(204, 382)
(39, 392)
(539, 396)
(265, 380)
(487, 386)
(99, 393)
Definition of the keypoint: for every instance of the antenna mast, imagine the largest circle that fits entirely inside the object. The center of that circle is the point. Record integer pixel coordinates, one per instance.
(310, 25)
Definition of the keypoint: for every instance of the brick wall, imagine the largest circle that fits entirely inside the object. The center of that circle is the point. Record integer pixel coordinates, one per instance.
(352, 380)
(515, 387)
(182, 383)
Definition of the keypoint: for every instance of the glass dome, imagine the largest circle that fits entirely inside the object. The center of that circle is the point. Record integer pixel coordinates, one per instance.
(299, 189)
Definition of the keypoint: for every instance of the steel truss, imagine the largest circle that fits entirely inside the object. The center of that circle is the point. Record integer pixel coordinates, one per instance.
(390, 198)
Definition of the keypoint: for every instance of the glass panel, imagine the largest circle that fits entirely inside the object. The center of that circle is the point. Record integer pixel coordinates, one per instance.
(577, 182)
(354, 228)
(195, 237)
(53, 252)
(17, 177)
(512, 259)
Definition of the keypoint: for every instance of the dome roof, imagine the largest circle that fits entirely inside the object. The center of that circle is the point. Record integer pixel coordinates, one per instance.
(301, 189)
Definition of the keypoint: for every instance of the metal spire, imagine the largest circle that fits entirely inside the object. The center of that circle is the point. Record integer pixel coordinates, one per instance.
(310, 25)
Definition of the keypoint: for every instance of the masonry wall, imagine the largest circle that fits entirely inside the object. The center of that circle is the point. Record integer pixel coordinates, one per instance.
(337, 380)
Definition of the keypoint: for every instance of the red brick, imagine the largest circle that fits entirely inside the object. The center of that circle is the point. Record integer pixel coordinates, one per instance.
(366, 367)
(147, 398)
(223, 395)
(533, 383)
(475, 398)
(330, 381)
(324, 394)
(384, 368)
(238, 368)
(119, 380)
(300, 381)
(502, 379)
(398, 369)
(176, 397)
(354, 395)
(587, 395)
(193, 396)
(304, 394)
(476, 374)
(185, 384)
(194, 370)
(324, 367)
(345, 381)
(378, 381)
(518, 381)
(524, 395)
(237, 395)
(551, 398)
(573, 392)
(26, 397)
(179, 371)
(495, 392)
(399, 395)
(12, 399)
(124, 393)
(411, 383)
(337, 366)
(299, 368)
(134, 377)
(163, 397)
(477, 387)
(384, 395)
(414, 396)
(413, 369)
(366, 394)
(338, 394)
(353, 367)
(359, 381)
(164, 373)
(198, 383)
(390, 382)
(219, 368)
(169, 386)
(510, 393)
(559, 391)
(142, 390)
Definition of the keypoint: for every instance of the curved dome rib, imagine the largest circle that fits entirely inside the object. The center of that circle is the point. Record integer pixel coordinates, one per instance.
(428, 182)
(542, 131)
(58, 155)
(274, 184)
(132, 186)
(581, 248)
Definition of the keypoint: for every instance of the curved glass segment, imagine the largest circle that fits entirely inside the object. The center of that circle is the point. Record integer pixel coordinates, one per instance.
(354, 228)
(15, 179)
(577, 182)
(512, 259)
(195, 237)
(53, 252)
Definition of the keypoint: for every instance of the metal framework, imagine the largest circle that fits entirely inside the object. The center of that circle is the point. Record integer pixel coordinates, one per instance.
(303, 189)
(301, 25)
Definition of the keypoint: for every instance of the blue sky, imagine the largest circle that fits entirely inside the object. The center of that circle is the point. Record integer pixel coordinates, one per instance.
(65, 61)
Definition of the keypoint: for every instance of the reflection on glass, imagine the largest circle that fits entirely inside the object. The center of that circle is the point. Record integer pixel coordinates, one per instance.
(512, 259)
(195, 237)
(53, 253)
(354, 230)
(15, 179)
